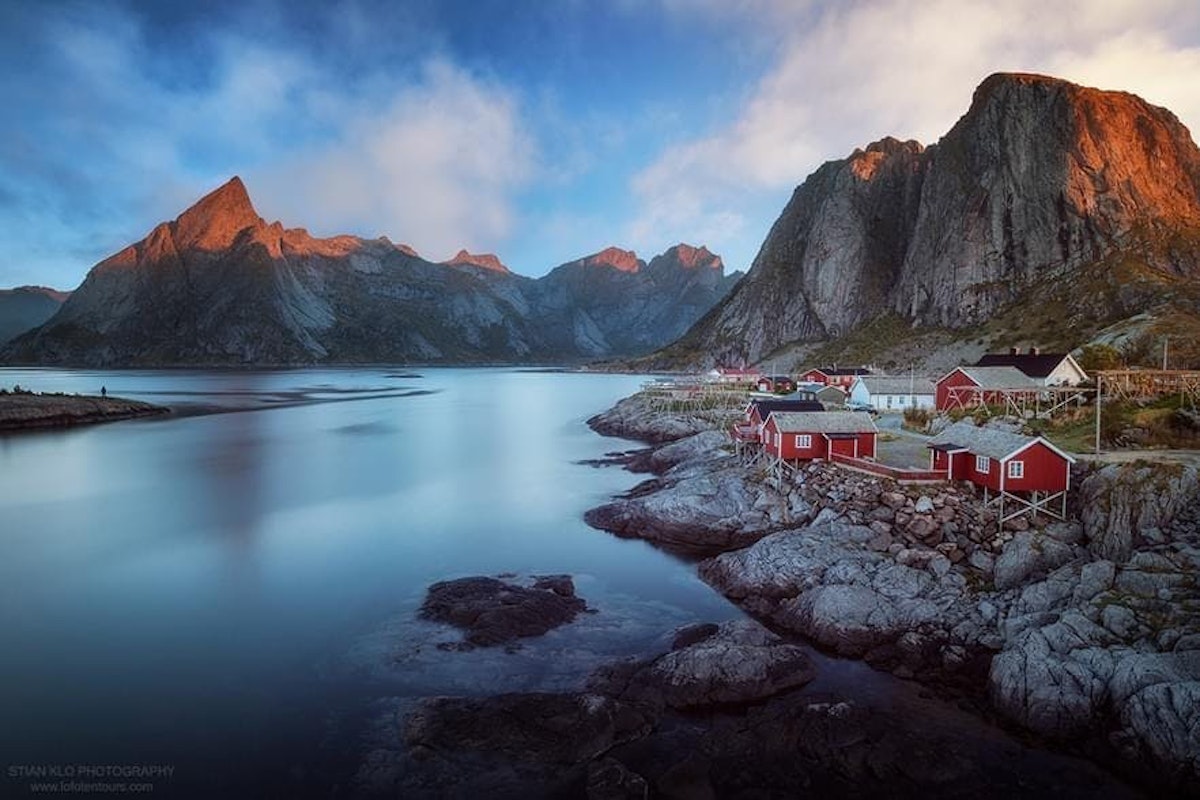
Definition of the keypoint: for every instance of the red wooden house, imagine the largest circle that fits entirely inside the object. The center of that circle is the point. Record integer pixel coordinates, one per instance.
(749, 431)
(1027, 471)
(808, 435)
(964, 387)
(779, 384)
(834, 376)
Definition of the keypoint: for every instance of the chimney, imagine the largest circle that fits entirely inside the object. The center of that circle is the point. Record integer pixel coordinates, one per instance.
(1014, 351)
(1033, 351)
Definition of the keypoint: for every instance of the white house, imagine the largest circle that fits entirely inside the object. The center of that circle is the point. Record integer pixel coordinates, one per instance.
(1048, 369)
(892, 392)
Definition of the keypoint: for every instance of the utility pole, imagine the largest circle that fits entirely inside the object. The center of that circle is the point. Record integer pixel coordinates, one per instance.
(1099, 399)
(1166, 341)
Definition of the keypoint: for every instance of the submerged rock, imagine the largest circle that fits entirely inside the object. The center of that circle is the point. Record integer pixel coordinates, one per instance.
(493, 612)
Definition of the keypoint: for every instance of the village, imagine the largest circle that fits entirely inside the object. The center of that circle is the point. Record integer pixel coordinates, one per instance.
(997, 530)
(976, 423)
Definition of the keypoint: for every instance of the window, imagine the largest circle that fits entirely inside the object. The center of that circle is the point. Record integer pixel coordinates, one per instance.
(1016, 469)
(804, 441)
(983, 464)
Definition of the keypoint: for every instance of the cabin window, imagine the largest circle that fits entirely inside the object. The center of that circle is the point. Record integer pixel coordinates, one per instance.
(1016, 469)
(983, 464)
(804, 441)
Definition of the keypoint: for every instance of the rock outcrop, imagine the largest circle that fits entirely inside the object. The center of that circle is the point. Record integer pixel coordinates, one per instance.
(219, 285)
(491, 611)
(1041, 182)
(736, 662)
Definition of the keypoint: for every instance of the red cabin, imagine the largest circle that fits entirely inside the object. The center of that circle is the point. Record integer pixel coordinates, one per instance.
(779, 384)
(1029, 471)
(833, 376)
(808, 435)
(964, 387)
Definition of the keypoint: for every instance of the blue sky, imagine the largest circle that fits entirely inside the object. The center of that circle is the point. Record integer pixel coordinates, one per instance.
(541, 131)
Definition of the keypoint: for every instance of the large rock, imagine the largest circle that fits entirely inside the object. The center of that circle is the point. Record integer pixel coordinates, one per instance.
(825, 582)
(1029, 555)
(736, 662)
(641, 417)
(705, 510)
(1121, 501)
(492, 611)
(1054, 680)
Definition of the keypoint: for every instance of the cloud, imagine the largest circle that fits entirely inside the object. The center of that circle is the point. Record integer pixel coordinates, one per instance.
(437, 164)
(119, 122)
(846, 74)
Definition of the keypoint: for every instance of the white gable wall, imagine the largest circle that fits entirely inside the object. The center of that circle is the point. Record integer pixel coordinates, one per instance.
(889, 402)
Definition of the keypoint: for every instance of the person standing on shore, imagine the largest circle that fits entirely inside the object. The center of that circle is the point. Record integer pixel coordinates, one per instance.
(104, 391)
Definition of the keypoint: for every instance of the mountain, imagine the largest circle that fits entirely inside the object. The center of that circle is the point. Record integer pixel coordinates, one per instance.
(26, 307)
(219, 285)
(613, 302)
(1048, 212)
(486, 261)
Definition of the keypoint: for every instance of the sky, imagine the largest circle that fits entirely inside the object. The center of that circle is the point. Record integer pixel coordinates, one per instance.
(539, 130)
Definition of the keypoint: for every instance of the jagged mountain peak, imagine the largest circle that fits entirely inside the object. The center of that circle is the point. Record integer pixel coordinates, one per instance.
(616, 258)
(488, 261)
(216, 219)
(690, 257)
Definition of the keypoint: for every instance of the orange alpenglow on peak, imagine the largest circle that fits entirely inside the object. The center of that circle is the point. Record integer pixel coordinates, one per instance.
(216, 219)
(696, 257)
(482, 260)
(615, 257)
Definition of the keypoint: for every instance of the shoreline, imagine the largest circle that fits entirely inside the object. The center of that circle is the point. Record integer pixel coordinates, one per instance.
(1007, 625)
(26, 412)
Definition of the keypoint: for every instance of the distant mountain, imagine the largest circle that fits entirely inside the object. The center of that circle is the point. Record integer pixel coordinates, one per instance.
(612, 302)
(27, 307)
(486, 261)
(1049, 212)
(219, 285)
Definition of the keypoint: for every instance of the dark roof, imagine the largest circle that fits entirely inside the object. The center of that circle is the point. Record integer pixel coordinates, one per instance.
(1035, 366)
(766, 407)
(776, 378)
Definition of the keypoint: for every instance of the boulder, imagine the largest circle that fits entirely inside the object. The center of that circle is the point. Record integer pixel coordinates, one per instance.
(741, 662)
(1029, 555)
(492, 611)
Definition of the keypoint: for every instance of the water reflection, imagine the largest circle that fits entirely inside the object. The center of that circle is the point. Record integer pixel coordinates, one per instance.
(208, 589)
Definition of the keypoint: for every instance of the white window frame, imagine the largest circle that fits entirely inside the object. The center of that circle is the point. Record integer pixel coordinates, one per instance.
(1016, 469)
(803, 441)
(983, 464)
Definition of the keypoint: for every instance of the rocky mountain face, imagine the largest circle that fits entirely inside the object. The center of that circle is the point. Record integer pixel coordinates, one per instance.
(1041, 183)
(26, 307)
(219, 285)
(613, 302)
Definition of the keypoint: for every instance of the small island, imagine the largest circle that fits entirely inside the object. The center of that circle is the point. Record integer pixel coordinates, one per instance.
(21, 409)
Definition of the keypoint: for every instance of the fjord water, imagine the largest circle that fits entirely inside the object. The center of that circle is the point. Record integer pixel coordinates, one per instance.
(224, 590)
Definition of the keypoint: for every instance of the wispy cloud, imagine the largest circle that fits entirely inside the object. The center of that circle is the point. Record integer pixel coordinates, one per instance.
(846, 74)
(416, 147)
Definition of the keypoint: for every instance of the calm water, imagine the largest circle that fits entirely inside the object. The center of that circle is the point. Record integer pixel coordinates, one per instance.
(222, 592)
(232, 591)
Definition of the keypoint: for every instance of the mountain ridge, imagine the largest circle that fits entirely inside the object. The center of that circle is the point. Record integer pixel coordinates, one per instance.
(220, 285)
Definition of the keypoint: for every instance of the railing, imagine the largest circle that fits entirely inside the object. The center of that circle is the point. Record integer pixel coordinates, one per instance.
(895, 473)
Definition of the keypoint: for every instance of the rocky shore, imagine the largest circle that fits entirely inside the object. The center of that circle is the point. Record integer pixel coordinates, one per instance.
(27, 411)
(722, 713)
(1084, 632)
